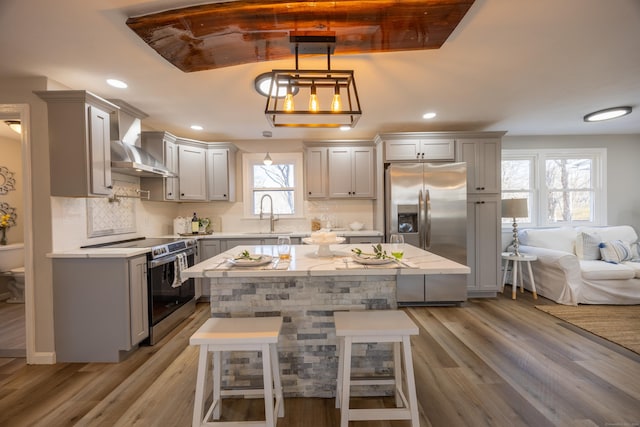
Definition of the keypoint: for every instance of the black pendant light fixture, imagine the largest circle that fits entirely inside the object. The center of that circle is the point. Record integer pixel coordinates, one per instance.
(312, 98)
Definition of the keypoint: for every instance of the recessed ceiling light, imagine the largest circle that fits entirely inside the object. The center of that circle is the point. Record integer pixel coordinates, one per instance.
(608, 113)
(196, 127)
(345, 128)
(428, 116)
(117, 83)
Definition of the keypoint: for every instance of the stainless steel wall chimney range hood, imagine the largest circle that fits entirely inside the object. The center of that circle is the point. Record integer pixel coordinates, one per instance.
(126, 157)
(129, 159)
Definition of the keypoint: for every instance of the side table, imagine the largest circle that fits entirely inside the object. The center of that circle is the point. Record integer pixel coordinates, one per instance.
(516, 260)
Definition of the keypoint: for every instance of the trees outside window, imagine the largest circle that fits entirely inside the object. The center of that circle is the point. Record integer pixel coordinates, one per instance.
(562, 186)
(282, 181)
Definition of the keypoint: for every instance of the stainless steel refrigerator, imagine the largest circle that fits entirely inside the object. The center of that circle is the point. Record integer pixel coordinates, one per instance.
(427, 204)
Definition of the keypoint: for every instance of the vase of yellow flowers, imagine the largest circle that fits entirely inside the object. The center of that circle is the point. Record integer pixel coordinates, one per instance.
(5, 222)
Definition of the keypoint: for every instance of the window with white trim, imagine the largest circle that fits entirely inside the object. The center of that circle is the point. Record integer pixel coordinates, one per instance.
(562, 186)
(280, 183)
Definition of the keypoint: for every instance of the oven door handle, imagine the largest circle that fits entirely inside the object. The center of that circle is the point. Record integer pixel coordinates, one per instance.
(169, 258)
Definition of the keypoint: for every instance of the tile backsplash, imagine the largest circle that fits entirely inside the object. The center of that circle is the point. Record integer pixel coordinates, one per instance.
(111, 216)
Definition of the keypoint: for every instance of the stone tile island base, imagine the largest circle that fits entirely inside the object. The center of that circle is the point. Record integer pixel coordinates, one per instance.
(307, 348)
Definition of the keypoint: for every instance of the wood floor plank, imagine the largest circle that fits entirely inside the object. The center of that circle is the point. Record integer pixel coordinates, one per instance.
(491, 362)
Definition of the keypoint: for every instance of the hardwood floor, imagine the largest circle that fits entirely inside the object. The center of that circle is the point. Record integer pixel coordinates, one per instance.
(493, 362)
(12, 330)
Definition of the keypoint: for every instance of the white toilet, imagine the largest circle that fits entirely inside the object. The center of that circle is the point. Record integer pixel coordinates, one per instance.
(12, 265)
(16, 286)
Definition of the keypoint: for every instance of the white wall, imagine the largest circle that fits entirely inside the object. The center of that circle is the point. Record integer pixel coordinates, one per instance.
(11, 158)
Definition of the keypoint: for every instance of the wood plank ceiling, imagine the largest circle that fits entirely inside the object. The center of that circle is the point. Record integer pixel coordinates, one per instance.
(219, 35)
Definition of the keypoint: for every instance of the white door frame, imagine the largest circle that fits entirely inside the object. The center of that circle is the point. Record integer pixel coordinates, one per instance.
(21, 111)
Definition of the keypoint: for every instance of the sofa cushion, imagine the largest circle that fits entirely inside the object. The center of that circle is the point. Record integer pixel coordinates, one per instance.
(559, 239)
(598, 270)
(634, 265)
(625, 233)
(615, 251)
(588, 245)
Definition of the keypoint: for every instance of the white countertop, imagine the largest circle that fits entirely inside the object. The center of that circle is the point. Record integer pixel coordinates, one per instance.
(305, 262)
(266, 235)
(106, 252)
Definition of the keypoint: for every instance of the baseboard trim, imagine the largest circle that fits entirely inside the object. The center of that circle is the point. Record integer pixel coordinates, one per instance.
(41, 358)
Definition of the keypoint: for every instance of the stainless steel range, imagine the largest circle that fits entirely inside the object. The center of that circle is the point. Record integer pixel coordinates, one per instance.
(170, 300)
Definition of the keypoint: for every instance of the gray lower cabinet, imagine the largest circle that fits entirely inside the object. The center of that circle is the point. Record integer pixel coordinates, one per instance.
(228, 244)
(484, 244)
(100, 308)
(363, 239)
(207, 248)
(432, 289)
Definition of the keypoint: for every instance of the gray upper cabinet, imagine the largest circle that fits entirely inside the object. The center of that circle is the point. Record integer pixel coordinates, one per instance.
(483, 157)
(161, 145)
(339, 171)
(192, 164)
(351, 172)
(205, 171)
(417, 148)
(221, 173)
(80, 143)
(316, 172)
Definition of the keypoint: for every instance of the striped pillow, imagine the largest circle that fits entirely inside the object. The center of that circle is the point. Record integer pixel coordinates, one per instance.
(615, 251)
(588, 246)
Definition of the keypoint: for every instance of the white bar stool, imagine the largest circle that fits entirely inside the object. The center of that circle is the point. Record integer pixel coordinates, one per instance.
(516, 261)
(375, 326)
(238, 334)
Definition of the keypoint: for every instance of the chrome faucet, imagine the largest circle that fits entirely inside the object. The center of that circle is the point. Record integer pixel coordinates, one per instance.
(272, 218)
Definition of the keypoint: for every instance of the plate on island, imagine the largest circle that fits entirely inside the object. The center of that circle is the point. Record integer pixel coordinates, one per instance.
(371, 260)
(254, 260)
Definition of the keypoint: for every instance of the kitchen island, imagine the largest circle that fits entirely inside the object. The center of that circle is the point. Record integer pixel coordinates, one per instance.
(306, 290)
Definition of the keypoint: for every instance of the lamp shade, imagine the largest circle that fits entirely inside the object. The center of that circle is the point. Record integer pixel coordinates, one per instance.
(515, 208)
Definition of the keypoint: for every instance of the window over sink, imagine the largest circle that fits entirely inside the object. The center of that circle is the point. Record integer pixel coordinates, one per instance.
(281, 181)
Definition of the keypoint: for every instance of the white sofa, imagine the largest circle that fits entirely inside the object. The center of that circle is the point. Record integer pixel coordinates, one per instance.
(570, 269)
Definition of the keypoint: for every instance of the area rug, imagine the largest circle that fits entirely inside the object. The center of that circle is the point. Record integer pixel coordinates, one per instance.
(616, 323)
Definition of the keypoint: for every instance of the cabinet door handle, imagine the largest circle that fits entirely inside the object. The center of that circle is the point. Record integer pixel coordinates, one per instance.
(182, 194)
(110, 187)
(480, 203)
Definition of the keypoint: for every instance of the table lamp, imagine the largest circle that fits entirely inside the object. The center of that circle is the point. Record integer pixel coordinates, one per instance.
(515, 208)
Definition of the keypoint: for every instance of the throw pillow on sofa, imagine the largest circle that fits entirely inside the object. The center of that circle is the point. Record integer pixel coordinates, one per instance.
(615, 251)
(588, 246)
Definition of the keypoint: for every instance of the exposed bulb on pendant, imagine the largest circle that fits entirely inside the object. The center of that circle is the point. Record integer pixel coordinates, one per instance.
(314, 105)
(288, 102)
(336, 102)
